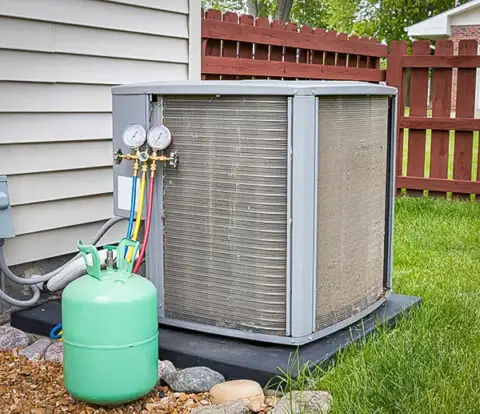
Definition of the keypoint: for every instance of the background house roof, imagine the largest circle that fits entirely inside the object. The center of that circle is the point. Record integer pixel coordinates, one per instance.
(439, 26)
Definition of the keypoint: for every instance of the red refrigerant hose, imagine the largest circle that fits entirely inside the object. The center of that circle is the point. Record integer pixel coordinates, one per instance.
(151, 188)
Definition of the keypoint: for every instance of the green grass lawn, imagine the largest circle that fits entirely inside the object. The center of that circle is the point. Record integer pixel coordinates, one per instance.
(430, 363)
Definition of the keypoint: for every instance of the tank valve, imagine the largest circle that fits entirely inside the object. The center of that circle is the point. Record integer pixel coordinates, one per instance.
(109, 259)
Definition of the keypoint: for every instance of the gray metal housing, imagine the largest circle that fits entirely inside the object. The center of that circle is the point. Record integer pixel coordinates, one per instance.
(144, 104)
(6, 220)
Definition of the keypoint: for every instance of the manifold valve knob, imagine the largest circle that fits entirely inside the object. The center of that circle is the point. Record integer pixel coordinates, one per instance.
(173, 159)
(117, 156)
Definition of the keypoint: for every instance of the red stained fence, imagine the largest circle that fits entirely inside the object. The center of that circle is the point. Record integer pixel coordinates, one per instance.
(440, 122)
(440, 144)
(239, 47)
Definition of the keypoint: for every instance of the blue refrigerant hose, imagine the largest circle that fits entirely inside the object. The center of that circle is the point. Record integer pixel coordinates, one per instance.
(132, 210)
(56, 332)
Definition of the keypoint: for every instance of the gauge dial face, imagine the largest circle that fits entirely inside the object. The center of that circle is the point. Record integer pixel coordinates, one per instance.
(159, 137)
(134, 136)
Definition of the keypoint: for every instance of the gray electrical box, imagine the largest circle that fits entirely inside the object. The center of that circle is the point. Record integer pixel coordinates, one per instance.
(277, 224)
(6, 221)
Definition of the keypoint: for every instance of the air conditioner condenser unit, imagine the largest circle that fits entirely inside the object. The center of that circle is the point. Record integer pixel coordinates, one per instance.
(276, 226)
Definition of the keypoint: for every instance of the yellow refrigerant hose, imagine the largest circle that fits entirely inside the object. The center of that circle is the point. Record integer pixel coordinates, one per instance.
(138, 219)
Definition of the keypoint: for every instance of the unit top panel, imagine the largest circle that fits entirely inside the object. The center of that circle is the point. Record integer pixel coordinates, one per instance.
(255, 87)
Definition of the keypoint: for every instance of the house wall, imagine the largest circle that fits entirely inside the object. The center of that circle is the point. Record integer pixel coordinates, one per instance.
(462, 32)
(468, 17)
(59, 59)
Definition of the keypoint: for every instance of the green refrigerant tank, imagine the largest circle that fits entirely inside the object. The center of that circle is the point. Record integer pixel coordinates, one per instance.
(110, 330)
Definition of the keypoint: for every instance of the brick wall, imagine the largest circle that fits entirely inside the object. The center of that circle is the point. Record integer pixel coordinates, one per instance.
(461, 33)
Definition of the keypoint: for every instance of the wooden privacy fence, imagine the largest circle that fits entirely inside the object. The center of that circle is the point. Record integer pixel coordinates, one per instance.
(437, 150)
(437, 133)
(239, 47)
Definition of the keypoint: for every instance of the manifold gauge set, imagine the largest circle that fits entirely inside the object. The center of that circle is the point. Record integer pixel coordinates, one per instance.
(158, 137)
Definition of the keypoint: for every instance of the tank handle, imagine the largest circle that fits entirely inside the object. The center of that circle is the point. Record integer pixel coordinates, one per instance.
(122, 263)
(90, 251)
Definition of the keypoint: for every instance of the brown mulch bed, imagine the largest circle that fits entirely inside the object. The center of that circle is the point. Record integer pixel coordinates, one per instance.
(37, 388)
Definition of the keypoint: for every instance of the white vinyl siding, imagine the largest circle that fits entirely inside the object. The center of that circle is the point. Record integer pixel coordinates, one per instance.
(59, 59)
(43, 244)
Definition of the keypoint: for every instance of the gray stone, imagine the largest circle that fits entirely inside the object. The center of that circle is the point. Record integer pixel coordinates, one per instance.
(12, 338)
(315, 402)
(54, 353)
(164, 368)
(231, 407)
(37, 348)
(34, 337)
(193, 380)
(270, 392)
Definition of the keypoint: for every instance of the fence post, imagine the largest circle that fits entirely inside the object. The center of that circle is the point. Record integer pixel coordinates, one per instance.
(395, 78)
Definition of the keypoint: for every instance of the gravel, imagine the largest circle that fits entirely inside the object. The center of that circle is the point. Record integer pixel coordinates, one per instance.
(36, 387)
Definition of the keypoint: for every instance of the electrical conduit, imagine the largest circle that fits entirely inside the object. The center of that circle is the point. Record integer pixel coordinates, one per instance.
(56, 279)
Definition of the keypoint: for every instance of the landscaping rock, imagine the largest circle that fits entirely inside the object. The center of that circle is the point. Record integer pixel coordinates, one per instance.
(272, 401)
(164, 368)
(11, 338)
(37, 349)
(32, 338)
(54, 353)
(249, 391)
(304, 401)
(193, 380)
(270, 392)
(231, 407)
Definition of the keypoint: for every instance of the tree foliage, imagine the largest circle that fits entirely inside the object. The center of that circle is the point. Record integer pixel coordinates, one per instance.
(384, 19)
(225, 5)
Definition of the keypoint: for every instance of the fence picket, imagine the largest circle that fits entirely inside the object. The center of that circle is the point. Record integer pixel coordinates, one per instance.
(213, 46)
(330, 56)
(230, 47)
(304, 54)
(276, 52)
(354, 61)
(442, 96)
(318, 55)
(465, 108)
(418, 107)
(342, 57)
(261, 51)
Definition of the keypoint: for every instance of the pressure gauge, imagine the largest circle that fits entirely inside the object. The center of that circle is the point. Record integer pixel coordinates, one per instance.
(159, 137)
(134, 136)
